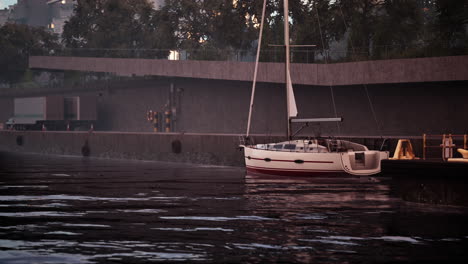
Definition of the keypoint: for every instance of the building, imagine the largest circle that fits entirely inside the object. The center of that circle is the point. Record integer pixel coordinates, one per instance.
(50, 14)
(60, 12)
(30, 12)
(4, 15)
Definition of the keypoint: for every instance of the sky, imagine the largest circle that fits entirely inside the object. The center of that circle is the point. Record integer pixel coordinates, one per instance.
(6, 3)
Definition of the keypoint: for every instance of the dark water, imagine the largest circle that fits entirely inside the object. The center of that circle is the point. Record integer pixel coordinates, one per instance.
(76, 210)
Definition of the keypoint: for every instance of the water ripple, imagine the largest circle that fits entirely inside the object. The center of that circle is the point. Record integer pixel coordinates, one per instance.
(80, 198)
(219, 218)
(41, 213)
(195, 229)
(253, 246)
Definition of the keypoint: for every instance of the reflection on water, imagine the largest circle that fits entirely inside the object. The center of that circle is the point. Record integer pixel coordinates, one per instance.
(437, 191)
(72, 210)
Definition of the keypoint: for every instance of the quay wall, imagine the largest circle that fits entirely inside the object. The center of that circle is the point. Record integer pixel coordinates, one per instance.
(172, 147)
(220, 106)
(6, 108)
(209, 149)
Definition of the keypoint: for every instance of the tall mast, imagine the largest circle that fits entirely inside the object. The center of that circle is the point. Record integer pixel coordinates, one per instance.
(288, 63)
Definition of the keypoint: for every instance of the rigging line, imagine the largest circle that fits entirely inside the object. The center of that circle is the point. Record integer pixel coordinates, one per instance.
(256, 68)
(326, 62)
(320, 31)
(365, 86)
(373, 111)
(334, 108)
(346, 27)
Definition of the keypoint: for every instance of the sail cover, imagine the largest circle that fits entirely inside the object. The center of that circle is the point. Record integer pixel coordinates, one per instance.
(292, 109)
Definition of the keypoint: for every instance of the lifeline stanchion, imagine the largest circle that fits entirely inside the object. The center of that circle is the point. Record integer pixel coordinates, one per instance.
(424, 146)
(465, 141)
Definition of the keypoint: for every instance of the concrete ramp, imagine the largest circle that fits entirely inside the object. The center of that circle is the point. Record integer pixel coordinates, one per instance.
(437, 69)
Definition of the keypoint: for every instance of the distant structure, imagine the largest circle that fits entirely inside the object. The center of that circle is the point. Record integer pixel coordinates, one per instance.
(50, 14)
(30, 12)
(4, 14)
(60, 12)
(157, 3)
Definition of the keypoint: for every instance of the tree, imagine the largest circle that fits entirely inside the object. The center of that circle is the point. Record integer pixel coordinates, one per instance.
(314, 23)
(359, 19)
(190, 22)
(16, 44)
(374, 27)
(371, 29)
(118, 25)
(449, 27)
(214, 26)
(399, 30)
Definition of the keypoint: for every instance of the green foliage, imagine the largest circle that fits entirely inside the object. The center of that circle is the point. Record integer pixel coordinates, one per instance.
(371, 29)
(212, 24)
(315, 23)
(379, 29)
(450, 27)
(118, 25)
(397, 29)
(218, 29)
(16, 44)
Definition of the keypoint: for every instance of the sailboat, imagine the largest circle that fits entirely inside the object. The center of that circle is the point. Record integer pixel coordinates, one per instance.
(305, 157)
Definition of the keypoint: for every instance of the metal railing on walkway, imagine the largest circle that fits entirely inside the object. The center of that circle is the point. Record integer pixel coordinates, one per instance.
(271, 54)
(445, 143)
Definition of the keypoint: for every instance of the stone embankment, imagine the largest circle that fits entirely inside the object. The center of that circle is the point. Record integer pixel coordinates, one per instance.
(210, 149)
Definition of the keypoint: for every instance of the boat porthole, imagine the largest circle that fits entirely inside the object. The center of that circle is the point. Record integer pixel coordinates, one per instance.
(267, 159)
(299, 161)
(248, 157)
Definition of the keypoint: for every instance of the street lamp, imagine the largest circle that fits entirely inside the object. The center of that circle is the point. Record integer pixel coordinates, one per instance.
(55, 1)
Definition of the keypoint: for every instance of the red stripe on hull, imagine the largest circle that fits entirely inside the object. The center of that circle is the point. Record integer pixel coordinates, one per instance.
(305, 161)
(294, 173)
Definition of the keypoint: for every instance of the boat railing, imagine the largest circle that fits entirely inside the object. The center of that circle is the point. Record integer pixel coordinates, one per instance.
(310, 146)
(448, 142)
(245, 141)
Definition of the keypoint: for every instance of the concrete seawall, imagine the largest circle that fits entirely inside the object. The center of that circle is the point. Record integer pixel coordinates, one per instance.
(213, 149)
(215, 106)
(209, 149)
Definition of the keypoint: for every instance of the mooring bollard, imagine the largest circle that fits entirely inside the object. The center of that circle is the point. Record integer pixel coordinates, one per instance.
(155, 121)
(168, 121)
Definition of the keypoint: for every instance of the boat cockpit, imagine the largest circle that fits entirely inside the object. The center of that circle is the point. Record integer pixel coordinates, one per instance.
(314, 145)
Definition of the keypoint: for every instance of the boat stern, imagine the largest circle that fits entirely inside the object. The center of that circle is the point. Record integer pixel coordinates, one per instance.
(363, 162)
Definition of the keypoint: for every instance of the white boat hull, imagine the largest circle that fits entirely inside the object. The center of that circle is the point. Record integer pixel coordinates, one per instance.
(312, 164)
